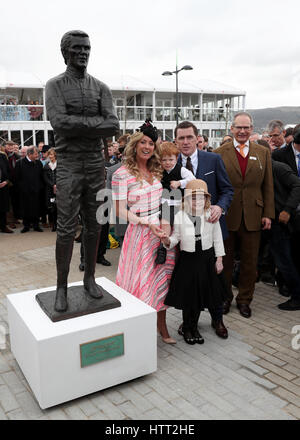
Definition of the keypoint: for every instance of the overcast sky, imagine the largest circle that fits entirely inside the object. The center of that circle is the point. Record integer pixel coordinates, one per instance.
(252, 46)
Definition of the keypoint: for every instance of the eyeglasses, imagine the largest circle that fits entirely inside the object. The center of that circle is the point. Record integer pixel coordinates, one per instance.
(247, 128)
(274, 135)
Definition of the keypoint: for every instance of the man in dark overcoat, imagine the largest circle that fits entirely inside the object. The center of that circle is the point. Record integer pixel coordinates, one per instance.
(4, 192)
(29, 178)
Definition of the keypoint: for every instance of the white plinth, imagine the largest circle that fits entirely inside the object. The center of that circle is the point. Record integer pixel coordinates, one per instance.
(49, 352)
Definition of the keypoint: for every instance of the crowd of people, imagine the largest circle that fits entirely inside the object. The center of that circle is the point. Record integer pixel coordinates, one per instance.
(193, 221)
(28, 187)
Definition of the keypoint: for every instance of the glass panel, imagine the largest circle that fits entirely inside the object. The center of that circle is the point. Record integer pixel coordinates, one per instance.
(39, 136)
(129, 114)
(194, 99)
(16, 137)
(21, 96)
(130, 100)
(169, 135)
(149, 113)
(140, 114)
(195, 114)
(159, 114)
(120, 113)
(185, 100)
(28, 137)
(51, 142)
(3, 136)
(218, 133)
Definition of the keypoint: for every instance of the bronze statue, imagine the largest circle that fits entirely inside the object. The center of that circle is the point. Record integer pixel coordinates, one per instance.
(81, 112)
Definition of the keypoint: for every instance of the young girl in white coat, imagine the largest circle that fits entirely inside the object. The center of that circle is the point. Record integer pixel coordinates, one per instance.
(195, 283)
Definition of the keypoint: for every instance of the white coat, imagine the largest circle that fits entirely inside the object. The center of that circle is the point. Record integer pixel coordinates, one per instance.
(184, 232)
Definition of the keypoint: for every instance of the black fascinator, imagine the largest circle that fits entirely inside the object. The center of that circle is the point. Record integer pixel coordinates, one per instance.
(149, 130)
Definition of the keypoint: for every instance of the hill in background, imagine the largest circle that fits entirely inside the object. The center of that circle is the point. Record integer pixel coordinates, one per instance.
(261, 117)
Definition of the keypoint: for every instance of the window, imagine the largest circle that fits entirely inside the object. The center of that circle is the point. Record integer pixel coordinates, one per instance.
(28, 137)
(3, 136)
(169, 135)
(51, 142)
(16, 137)
(39, 136)
(218, 133)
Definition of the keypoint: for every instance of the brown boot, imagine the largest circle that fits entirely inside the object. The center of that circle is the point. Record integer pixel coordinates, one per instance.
(220, 329)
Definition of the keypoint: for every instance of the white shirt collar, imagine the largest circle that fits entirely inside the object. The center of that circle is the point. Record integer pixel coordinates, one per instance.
(193, 156)
(237, 144)
(29, 160)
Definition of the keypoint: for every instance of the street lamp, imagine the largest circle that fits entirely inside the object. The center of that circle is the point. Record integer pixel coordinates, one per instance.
(168, 73)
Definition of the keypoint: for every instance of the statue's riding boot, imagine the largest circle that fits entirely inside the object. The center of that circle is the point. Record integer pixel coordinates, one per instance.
(81, 265)
(90, 243)
(63, 259)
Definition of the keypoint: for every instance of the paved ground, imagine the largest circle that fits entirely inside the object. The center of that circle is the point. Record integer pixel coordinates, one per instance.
(252, 375)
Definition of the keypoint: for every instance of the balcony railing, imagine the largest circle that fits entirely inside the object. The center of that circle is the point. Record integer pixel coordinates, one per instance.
(21, 112)
(169, 114)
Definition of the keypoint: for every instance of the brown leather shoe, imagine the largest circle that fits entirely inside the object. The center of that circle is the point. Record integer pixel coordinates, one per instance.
(245, 310)
(220, 329)
(226, 307)
(6, 230)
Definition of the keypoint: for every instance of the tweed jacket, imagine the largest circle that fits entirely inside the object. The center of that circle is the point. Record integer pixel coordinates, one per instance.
(254, 195)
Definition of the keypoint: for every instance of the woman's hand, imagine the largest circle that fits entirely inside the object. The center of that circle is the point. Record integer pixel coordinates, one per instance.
(157, 231)
(54, 189)
(3, 184)
(219, 265)
(166, 241)
(143, 221)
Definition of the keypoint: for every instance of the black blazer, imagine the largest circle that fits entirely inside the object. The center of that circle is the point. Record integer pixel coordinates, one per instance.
(286, 188)
(286, 155)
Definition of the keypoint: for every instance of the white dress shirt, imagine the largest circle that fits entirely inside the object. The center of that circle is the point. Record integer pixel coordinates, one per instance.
(184, 232)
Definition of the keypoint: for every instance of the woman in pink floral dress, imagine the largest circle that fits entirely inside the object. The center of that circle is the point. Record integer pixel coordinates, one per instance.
(137, 192)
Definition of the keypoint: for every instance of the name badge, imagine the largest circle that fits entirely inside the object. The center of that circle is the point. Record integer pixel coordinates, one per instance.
(253, 158)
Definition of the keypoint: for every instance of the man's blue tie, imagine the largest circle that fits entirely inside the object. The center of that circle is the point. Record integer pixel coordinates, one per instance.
(298, 155)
